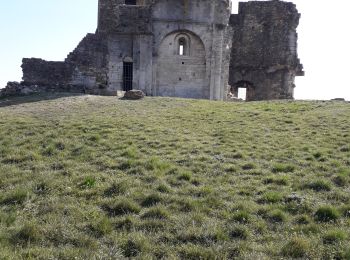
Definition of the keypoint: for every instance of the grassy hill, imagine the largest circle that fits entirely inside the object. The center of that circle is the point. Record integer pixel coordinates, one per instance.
(88, 177)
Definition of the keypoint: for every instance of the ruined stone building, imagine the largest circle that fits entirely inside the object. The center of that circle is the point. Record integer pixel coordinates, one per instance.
(179, 48)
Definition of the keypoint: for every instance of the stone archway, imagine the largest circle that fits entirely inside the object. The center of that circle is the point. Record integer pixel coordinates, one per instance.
(181, 70)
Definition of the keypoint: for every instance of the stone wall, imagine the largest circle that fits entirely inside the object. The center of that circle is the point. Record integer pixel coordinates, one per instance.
(41, 72)
(84, 70)
(264, 51)
(205, 20)
(114, 17)
(254, 49)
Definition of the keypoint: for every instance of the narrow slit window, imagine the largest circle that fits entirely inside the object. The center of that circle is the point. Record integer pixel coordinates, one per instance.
(181, 51)
(182, 46)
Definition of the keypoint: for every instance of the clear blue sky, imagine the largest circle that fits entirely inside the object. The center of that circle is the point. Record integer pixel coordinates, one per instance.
(50, 29)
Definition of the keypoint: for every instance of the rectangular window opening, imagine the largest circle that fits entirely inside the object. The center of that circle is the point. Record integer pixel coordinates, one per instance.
(242, 93)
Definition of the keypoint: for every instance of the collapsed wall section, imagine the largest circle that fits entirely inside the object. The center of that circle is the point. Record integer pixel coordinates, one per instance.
(83, 71)
(41, 72)
(264, 55)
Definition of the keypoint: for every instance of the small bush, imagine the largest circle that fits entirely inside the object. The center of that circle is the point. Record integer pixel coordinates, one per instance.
(285, 168)
(29, 233)
(18, 196)
(239, 233)
(327, 214)
(102, 227)
(319, 185)
(151, 200)
(242, 216)
(122, 207)
(277, 216)
(157, 213)
(334, 237)
(296, 248)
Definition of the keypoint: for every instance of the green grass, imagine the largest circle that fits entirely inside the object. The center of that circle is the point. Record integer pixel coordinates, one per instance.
(88, 177)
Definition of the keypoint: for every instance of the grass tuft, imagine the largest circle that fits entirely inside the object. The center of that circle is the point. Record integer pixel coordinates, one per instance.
(241, 233)
(122, 207)
(17, 196)
(296, 248)
(185, 176)
(272, 197)
(102, 227)
(151, 200)
(284, 168)
(88, 183)
(277, 216)
(327, 214)
(319, 185)
(115, 189)
(334, 237)
(28, 234)
(134, 246)
(242, 216)
(163, 188)
(157, 213)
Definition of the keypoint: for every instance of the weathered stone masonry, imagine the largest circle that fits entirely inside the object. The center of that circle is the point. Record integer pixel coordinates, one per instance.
(264, 55)
(179, 48)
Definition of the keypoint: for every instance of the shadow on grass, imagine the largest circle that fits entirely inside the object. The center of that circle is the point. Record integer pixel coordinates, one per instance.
(18, 100)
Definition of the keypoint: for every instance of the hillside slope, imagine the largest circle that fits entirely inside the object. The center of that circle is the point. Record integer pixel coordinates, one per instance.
(90, 177)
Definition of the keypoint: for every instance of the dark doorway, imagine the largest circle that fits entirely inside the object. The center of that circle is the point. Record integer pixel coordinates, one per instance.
(130, 2)
(127, 76)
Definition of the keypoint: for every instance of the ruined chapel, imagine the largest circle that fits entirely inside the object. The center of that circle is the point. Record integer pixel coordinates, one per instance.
(179, 48)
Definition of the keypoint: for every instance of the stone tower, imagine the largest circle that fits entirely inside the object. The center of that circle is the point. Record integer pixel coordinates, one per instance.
(176, 48)
(264, 57)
